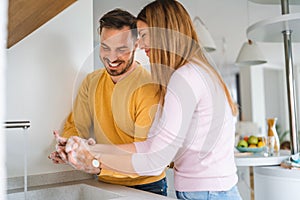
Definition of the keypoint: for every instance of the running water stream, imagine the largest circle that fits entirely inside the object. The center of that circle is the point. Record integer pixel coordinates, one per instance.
(25, 135)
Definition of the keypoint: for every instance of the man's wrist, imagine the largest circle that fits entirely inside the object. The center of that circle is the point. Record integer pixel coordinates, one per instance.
(96, 163)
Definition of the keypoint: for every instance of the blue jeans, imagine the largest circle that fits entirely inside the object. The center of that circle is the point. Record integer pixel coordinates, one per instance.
(232, 194)
(158, 187)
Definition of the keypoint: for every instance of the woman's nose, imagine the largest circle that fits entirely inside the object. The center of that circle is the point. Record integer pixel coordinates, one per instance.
(141, 44)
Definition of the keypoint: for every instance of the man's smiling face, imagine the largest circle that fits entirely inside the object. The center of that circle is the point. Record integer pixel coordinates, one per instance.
(117, 50)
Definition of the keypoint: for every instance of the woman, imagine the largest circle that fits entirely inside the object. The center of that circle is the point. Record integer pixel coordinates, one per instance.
(194, 126)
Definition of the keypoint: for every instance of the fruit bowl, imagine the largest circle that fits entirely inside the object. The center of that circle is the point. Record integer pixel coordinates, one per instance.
(247, 149)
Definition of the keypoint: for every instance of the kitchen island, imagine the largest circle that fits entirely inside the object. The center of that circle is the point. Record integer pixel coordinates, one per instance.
(270, 180)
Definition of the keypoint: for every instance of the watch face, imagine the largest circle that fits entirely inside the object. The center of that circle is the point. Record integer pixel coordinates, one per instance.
(95, 163)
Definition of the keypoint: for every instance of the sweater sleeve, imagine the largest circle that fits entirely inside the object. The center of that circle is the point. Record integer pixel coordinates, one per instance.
(69, 127)
(146, 102)
(169, 129)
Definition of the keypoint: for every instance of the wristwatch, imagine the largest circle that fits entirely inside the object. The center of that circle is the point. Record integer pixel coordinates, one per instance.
(96, 163)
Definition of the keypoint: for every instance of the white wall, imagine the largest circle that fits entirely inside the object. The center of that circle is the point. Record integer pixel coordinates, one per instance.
(41, 73)
(275, 94)
(223, 25)
(226, 20)
(3, 34)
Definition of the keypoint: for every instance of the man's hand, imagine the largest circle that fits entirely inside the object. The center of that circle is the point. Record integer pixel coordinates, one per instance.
(59, 156)
(60, 140)
(60, 147)
(56, 159)
(74, 151)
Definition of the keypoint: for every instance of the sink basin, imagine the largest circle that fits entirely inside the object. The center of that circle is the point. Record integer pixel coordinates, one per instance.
(69, 192)
(88, 189)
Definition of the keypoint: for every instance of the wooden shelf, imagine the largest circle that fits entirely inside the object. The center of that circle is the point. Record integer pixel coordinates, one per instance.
(25, 16)
(258, 159)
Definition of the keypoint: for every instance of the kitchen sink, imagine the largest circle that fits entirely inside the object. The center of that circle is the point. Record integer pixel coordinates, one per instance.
(88, 189)
(69, 192)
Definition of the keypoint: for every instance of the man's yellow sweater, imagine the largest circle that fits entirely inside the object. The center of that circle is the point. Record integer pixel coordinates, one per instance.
(115, 114)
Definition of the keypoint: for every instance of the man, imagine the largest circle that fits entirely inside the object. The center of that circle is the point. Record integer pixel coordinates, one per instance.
(116, 105)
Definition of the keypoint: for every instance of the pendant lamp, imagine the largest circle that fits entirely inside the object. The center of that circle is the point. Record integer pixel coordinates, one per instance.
(204, 36)
(250, 54)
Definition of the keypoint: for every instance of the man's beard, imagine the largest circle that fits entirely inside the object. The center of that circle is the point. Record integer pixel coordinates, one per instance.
(115, 72)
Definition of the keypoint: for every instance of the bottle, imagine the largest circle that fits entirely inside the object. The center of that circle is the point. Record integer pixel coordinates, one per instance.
(272, 132)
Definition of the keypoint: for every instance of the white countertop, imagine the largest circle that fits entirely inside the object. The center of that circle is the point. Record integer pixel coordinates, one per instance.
(258, 159)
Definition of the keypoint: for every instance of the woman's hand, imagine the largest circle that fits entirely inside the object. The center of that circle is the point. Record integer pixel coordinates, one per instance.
(79, 154)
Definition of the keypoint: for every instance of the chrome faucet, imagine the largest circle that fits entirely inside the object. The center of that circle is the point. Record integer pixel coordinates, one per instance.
(17, 124)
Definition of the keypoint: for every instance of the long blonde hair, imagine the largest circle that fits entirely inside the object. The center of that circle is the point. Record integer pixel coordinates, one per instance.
(175, 43)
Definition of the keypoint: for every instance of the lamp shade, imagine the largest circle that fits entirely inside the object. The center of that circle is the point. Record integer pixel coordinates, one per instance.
(250, 54)
(204, 36)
